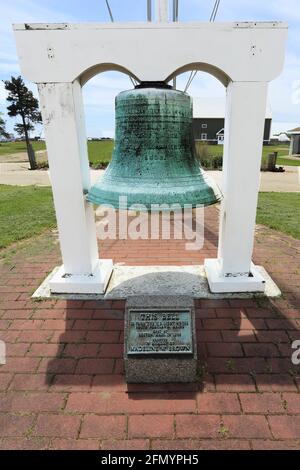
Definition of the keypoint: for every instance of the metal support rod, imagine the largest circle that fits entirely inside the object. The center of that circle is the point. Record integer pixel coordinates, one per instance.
(175, 19)
(212, 19)
(175, 10)
(109, 11)
(149, 10)
(112, 20)
(214, 11)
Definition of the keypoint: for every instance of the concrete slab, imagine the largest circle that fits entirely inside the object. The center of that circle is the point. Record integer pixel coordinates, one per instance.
(287, 181)
(18, 174)
(127, 281)
(18, 157)
(24, 178)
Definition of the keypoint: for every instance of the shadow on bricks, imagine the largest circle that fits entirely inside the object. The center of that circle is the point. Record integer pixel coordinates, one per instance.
(243, 345)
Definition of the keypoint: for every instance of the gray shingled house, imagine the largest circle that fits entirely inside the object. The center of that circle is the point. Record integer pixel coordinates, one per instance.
(294, 135)
(209, 120)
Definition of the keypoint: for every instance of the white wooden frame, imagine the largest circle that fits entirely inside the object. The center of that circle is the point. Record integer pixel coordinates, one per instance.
(61, 58)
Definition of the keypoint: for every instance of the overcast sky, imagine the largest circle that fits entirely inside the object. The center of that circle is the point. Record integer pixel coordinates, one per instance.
(99, 92)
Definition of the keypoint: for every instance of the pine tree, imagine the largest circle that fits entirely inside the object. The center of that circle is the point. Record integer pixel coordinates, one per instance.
(3, 132)
(25, 105)
(19, 129)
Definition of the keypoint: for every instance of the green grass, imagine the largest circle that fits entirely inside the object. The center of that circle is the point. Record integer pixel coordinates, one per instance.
(25, 211)
(280, 211)
(211, 150)
(282, 149)
(100, 152)
(17, 147)
(287, 162)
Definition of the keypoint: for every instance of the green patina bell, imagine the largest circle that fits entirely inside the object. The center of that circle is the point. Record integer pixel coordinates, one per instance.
(154, 161)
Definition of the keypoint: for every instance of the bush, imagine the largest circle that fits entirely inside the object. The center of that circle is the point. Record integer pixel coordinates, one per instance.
(42, 165)
(207, 161)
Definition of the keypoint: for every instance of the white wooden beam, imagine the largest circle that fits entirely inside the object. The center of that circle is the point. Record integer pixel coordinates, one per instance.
(62, 53)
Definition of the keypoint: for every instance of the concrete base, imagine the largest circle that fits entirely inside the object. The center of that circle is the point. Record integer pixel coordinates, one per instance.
(160, 368)
(220, 283)
(128, 281)
(95, 283)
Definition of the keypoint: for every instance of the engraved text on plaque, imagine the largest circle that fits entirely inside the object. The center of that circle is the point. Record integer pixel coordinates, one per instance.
(160, 331)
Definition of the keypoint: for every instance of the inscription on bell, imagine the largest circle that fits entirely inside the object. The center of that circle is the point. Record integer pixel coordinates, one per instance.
(160, 331)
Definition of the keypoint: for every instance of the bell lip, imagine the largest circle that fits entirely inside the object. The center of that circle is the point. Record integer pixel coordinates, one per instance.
(130, 207)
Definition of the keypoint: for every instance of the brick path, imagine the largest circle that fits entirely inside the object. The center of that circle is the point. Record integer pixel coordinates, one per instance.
(63, 388)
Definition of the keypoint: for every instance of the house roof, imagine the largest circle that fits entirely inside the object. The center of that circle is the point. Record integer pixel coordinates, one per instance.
(204, 107)
(294, 131)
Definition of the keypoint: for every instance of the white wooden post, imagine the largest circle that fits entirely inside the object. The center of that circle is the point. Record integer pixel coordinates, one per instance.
(63, 118)
(162, 10)
(233, 271)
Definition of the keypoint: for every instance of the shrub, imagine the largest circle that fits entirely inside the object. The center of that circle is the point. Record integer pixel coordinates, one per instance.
(208, 161)
(42, 165)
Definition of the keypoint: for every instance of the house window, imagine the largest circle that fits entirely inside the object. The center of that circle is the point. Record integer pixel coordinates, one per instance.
(203, 136)
(204, 126)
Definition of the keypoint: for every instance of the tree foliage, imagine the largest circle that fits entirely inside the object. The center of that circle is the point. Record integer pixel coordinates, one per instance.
(19, 128)
(3, 132)
(22, 103)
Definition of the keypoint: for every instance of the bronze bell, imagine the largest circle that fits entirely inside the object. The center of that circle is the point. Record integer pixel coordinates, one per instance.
(154, 160)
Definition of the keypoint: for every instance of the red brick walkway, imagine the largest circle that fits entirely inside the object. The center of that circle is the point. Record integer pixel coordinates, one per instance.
(63, 384)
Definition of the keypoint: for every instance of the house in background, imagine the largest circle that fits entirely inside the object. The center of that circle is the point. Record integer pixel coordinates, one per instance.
(209, 120)
(294, 135)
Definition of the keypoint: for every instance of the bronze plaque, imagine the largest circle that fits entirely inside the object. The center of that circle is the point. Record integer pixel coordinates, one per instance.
(159, 331)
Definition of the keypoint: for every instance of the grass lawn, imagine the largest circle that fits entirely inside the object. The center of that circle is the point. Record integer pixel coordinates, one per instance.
(100, 151)
(287, 162)
(17, 147)
(24, 211)
(280, 211)
(282, 149)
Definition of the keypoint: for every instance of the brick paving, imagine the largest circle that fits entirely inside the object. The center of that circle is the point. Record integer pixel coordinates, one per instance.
(63, 385)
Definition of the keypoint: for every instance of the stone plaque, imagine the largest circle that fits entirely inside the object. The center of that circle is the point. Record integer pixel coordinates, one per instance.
(159, 331)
